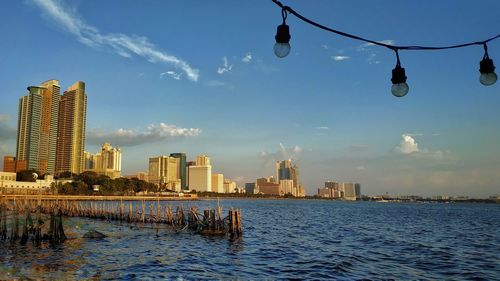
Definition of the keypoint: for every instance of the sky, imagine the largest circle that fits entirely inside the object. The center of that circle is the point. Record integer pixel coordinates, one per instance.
(200, 77)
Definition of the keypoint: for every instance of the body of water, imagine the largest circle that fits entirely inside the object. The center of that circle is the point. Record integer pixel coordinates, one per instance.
(283, 239)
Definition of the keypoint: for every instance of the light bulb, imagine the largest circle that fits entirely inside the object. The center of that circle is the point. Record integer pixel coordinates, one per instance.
(488, 79)
(400, 89)
(282, 46)
(281, 50)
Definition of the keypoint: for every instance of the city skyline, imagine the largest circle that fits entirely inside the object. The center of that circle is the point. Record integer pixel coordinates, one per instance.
(190, 86)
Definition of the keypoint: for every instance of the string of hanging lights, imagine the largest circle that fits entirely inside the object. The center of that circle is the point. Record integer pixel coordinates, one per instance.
(399, 88)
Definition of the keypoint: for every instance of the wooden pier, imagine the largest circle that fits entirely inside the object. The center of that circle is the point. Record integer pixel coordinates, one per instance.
(151, 214)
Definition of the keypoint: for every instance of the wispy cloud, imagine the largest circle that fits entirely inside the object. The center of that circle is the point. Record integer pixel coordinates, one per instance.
(247, 58)
(226, 67)
(322, 128)
(340, 58)
(173, 74)
(122, 44)
(372, 59)
(293, 153)
(153, 133)
(387, 42)
(324, 46)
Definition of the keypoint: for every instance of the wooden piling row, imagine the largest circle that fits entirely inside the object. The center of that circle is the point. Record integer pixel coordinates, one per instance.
(210, 223)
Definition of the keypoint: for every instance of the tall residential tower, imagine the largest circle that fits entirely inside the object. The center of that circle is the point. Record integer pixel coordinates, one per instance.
(71, 132)
(37, 127)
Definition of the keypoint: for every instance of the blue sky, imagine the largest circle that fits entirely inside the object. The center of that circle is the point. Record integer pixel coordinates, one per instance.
(201, 77)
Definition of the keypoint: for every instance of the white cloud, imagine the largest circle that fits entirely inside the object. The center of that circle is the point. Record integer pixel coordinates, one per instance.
(407, 145)
(324, 46)
(122, 44)
(225, 67)
(173, 74)
(130, 137)
(247, 58)
(322, 128)
(340, 58)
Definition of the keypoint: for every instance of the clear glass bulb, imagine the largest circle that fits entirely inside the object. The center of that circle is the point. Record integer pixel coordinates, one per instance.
(281, 50)
(488, 79)
(400, 90)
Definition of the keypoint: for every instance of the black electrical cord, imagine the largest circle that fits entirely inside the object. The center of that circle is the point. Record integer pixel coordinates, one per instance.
(287, 9)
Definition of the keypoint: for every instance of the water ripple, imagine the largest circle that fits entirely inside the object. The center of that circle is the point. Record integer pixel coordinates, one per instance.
(283, 239)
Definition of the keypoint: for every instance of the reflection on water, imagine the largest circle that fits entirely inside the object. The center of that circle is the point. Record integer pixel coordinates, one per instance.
(282, 238)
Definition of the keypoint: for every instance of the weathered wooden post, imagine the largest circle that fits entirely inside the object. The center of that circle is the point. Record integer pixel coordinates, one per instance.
(238, 222)
(3, 225)
(38, 227)
(24, 236)
(14, 233)
(212, 220)
(143, 214)
(206, 217)
(60, 228)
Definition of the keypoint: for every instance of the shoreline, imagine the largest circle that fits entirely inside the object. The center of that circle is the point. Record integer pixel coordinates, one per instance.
(187, 197)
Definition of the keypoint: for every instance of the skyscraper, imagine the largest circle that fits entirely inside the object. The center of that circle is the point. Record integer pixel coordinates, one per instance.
(200, 175)
(28, 127)
(164, 170)
(71, 131)
(107, 162)
(37, 127)
(287, 171)
(48, 131)
(182, 168)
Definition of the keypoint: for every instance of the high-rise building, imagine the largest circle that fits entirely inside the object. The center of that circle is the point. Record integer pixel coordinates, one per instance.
(49, 125)
(163, 170)
(28, 127)
(107, 162)
(200, 174)
(218, 183)
(350, 192)
(37, 127)
(251, 188)
(182, 168)
(287, 187)
(71, 131)
(286, 170)
(189, 164)
(332, 184)
(229, 186)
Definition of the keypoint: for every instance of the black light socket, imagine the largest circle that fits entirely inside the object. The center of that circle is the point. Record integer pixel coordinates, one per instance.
(283, 34)
(486, 66)
(398, 75)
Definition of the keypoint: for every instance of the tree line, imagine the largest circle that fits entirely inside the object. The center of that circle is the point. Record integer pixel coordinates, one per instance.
(84, 183)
